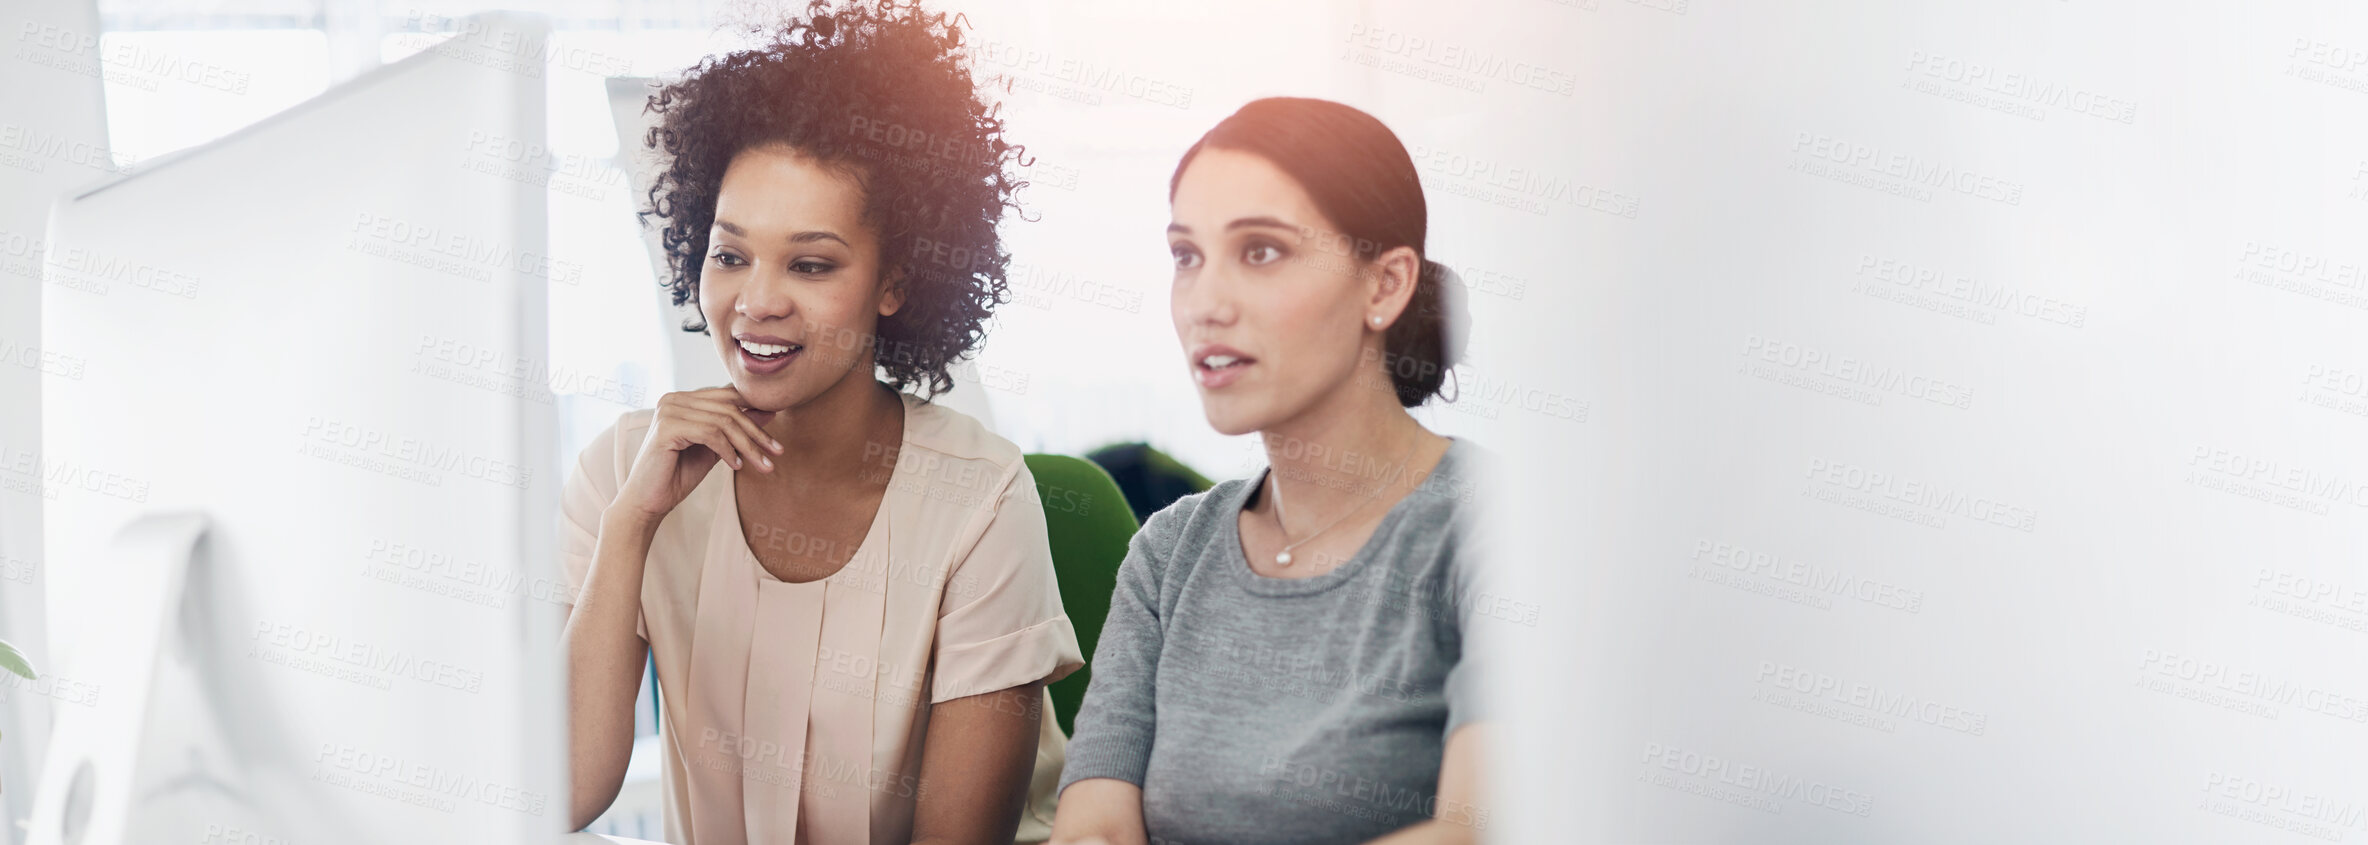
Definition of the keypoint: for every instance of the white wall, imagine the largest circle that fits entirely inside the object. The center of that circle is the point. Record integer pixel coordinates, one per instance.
(2067, 565)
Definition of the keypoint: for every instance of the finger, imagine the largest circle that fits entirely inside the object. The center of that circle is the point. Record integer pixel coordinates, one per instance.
(756, 416)
(747, 420)
(724, 394)
(709, 430)
(713, 438)
(686, 424)
(677, 436)
(741, 401)
(728, 425)
(678, 425)
(753, 422)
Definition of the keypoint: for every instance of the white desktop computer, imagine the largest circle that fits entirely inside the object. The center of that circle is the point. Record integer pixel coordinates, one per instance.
(304, 555)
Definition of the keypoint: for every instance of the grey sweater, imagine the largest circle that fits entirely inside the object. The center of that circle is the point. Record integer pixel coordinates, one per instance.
(1254, 709)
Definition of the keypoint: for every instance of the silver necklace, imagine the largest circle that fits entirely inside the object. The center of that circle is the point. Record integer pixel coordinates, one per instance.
(1283, 558)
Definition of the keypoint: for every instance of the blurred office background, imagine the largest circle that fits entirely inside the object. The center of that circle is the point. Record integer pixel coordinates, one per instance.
(1921, 422)
(1081, 357)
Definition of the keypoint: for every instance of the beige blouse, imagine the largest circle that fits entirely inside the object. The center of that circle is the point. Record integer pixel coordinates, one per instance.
(796, 712)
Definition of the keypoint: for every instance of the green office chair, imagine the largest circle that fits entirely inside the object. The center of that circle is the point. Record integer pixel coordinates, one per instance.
(1089, 523)
(1150, 478)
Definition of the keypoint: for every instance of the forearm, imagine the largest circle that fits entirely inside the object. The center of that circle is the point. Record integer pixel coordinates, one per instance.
(1461, 798)
(975, 761)
(605, 658)
(1100, 810)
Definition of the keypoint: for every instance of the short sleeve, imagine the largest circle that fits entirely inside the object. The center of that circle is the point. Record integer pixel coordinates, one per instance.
(590, 489)
(1000, 623)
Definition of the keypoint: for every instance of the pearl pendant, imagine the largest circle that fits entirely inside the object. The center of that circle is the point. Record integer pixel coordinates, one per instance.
(1282, 558)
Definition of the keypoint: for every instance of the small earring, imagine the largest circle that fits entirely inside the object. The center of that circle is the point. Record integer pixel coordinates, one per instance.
(1376, 319)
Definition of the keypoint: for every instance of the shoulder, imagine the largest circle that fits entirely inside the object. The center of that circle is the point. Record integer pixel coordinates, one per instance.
(608, 454)
(954, 435)
(1453, 486)
(954, 463)
(1192, 522)
(1443, 507)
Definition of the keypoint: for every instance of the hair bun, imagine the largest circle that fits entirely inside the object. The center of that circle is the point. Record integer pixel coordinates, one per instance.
(1455, 322)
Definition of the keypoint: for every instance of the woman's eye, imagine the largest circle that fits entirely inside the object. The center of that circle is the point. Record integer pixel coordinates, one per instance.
(811, 267)
(1256, 254)
(726, 259)
(1186, 257)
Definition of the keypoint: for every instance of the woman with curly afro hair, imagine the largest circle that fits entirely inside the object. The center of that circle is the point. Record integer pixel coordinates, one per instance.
(846, 589)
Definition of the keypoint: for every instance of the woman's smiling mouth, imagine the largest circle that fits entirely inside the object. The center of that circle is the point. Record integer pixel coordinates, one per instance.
(762, 355)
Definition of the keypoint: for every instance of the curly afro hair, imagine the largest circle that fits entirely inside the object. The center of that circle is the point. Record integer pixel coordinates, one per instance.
(883, 90)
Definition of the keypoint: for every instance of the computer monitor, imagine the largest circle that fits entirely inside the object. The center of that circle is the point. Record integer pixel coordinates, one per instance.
(302, 551)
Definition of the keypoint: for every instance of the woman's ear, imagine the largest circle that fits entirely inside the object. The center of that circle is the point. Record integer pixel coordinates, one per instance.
(1398, 269)
(892, 299)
